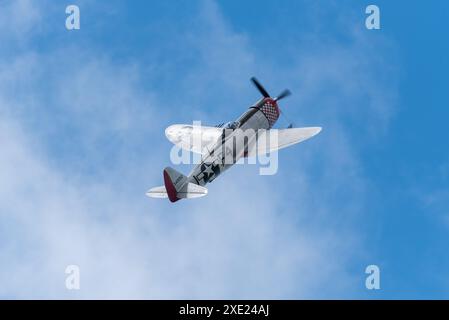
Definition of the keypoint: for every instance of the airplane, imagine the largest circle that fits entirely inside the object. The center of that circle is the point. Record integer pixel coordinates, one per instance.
(223, 145)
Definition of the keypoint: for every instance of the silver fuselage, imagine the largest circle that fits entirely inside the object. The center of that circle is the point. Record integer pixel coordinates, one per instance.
(232, 145)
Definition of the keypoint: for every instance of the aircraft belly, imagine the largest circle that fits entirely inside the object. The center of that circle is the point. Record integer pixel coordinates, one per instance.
(215, 163)
(210, 168)
(223, 145)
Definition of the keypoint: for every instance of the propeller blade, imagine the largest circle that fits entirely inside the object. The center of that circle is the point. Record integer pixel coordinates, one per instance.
(260, 88)
(283, 95)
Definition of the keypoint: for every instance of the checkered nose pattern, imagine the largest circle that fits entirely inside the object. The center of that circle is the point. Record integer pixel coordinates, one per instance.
(270, 110)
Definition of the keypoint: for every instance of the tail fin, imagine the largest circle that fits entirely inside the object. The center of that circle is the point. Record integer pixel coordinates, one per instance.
(176, 187)
(173, 181)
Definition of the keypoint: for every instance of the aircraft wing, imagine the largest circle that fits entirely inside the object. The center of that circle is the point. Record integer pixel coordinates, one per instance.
(193, 138)
(275, 139)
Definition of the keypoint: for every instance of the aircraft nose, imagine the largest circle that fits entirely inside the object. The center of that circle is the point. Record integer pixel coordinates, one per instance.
(271, 110)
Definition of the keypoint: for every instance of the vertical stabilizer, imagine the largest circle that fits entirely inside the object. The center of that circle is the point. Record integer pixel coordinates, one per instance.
(174, 181)
(177, 187)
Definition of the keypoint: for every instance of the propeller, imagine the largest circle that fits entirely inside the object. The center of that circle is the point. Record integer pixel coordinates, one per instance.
(264, 92)
(260, 87)
(283, 95)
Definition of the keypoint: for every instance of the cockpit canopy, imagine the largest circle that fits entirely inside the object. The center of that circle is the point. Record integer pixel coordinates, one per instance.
(229, 125)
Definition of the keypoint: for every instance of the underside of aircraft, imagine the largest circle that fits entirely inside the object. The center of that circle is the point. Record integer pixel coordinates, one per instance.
(222, 146)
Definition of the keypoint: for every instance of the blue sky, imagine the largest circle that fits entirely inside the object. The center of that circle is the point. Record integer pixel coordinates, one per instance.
(82, 116)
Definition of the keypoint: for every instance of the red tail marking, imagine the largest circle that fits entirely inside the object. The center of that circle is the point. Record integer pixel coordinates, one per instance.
(171, 190)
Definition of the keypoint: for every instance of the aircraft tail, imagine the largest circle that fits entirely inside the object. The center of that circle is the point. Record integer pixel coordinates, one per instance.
(176, 187)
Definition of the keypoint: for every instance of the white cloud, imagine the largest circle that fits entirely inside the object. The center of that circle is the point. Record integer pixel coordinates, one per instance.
(214, 248)
(78, 152)
(19, 19)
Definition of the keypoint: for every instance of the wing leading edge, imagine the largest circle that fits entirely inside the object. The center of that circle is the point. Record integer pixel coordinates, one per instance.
(276, 139)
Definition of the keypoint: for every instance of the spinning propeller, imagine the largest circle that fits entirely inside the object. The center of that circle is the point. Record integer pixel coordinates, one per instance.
(264, 92)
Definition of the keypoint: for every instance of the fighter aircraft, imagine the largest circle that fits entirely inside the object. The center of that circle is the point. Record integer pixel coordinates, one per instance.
(224, 145)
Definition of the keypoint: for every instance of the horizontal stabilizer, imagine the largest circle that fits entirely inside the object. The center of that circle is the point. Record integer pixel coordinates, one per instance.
(176, 187)
(157, 192)
(191, 191)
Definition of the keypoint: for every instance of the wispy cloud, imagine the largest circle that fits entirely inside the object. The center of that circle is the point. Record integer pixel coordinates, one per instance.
(19, 19)
(80, 147)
